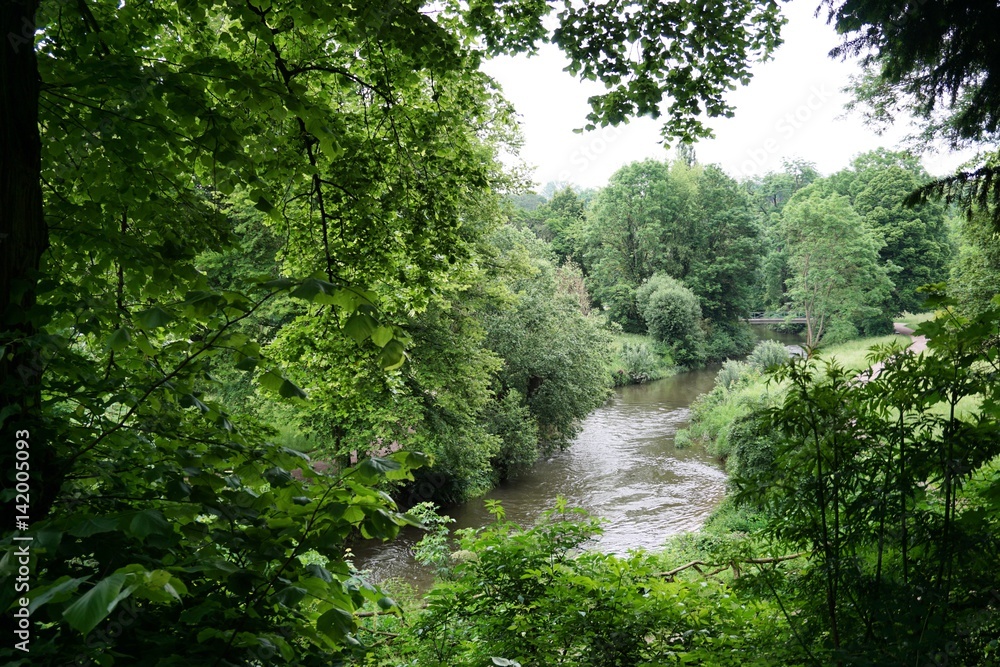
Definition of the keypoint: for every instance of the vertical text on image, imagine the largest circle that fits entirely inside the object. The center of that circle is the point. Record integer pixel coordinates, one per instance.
(22, 547)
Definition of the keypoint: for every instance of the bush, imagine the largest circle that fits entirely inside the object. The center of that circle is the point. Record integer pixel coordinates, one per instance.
(751, 444)
(639, 363)
(731, 373)
(673, 315)
(530, 597)
(874, 324)
(715, 414)
(554, 357)
(619, 304)
(839, 331)
(729, 341)
(767, 354)
(509, 418)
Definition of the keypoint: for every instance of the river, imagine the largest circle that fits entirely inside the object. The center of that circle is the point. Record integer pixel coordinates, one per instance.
(623, 466)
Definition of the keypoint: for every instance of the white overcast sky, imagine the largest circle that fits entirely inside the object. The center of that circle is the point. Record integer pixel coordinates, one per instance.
(792, 108)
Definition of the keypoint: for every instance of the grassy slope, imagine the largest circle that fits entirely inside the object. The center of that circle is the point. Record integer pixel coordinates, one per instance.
(714, 413)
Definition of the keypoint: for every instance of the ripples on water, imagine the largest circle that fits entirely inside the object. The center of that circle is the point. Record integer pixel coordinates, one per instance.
(623, 467)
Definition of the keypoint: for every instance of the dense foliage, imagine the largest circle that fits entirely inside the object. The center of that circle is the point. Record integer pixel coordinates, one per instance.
(892, 487)
(673, 314)
(689, 222)
(258, 290)
(864, 205)
(834, 273)
(598, 609)
(136, 137)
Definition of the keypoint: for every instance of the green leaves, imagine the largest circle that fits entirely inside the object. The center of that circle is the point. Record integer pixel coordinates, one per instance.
(56, 591)
(153, 318)
(392, 356)
(833, 259)
(360, 326)
(119, 339)
(338, 624)
(513, 595)
(382, 335)
(147, 522)
(94, 605)
(276, 382)
(660, 53)
(883, 473)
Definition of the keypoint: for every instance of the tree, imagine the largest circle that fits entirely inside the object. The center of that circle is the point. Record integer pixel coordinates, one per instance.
(769, 194)
(915, 237)
(366, 133)
(557, 220)
(553, 357)
(929, 57)
(833, 260)
(692, 223)
(563, 216)
(621, 237)
(975, 273)
(673, 315)
(156, 492)
(936, 61)
(727, 248)
(644, 56)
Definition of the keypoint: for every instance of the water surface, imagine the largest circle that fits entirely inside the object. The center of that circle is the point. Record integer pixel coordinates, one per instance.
(623, 467)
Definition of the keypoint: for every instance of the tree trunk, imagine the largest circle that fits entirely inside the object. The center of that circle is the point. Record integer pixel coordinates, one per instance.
(23, 234)
(23, 237)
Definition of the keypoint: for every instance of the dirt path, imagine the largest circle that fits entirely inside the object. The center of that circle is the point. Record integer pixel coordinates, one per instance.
(917, 345)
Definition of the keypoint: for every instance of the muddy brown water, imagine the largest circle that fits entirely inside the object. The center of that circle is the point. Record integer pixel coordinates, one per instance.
(623, 467)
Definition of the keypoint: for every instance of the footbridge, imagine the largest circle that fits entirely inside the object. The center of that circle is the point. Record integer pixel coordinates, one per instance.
(762, 317)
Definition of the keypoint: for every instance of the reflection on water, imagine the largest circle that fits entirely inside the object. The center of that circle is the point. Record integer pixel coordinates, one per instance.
(623, 467)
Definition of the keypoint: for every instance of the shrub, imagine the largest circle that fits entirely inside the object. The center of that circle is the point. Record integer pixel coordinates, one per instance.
(751, 444)
(713, 415)
(839, 331)
(729, 341)
(509, 418)
(768, 353)
(731, 373)
(673, 315)
(530, 597)
(639, 362)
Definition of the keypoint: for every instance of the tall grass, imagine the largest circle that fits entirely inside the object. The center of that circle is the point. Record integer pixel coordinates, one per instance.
(913, 319)
(853, 354)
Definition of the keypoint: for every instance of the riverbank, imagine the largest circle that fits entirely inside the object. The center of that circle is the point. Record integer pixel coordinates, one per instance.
(744, 388)
(640, 358)
(724, 425)
(623, 467)
(762, 582)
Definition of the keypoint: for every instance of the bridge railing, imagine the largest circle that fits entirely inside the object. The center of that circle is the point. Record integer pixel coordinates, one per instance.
(766, 315)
